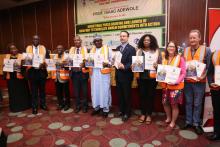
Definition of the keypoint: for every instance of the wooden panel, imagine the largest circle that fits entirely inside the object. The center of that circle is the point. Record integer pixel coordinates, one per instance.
(71, 22)
(214, 3)
(59, 22)
(1, 37)
(17, 28)
(29, 23)
(6, 30)
(184, 16)
(43, 23)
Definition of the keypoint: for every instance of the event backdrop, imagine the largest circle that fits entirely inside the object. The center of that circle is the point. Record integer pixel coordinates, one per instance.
(214, 28)
(109, 17)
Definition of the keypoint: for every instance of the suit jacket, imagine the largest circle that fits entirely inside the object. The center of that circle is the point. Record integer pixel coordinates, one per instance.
(125, 75)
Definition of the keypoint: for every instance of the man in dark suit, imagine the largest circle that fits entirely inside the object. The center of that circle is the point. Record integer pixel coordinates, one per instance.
(37, 75)
(124, 76)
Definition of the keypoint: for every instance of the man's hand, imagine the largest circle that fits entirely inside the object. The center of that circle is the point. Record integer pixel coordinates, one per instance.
(214, 85)
(170, 83)
(121, 66)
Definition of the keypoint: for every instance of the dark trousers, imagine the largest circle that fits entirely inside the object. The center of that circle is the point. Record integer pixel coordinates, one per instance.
(147, 89)
(124, 95)
(216, 110)
(38, 86)
(63, 93)
(80, 84)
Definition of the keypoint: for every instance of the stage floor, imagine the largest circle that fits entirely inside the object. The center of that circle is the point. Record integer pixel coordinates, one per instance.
(53, 128)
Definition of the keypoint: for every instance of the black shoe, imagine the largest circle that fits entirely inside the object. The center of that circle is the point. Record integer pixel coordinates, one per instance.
(77, 110)
(60, 107)
(198, 130)
(95, 112)
(66, 107)
(105, 114)
(85, 110)
(124, 117)
(44, 107)
(34, 111)
(120, 114)
(186, 126)
(214, 137)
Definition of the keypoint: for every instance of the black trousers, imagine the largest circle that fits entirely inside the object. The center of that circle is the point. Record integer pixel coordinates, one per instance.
(147, 89)
(63, 93)
(124, 94)
(80, 84)
(38, 86)
(216, 110)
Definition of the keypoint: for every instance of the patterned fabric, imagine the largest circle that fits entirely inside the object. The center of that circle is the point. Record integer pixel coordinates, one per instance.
(172, 96)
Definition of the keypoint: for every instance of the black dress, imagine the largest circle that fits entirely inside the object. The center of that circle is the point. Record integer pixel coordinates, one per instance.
(19, 94)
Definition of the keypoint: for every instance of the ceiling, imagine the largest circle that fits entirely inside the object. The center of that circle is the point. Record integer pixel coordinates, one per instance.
(4, 4)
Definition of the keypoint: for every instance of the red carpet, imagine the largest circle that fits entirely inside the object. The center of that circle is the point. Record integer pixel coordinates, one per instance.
(53, 128)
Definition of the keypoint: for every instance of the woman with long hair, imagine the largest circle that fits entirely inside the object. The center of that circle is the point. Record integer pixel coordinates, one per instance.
(172, 93)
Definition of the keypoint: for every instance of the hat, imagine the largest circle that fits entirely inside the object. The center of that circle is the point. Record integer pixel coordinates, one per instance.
(97, 37)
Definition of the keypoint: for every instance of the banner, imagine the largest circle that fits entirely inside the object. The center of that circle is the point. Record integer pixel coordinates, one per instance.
(214, 37)
(214, 28)
(109, 17)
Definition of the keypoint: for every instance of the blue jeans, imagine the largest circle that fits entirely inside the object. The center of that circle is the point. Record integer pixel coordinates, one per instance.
(194, 94)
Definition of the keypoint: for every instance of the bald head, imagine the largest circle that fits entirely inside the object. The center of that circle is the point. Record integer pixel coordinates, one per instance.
(60, 49)
(77, 41)
(36, 40)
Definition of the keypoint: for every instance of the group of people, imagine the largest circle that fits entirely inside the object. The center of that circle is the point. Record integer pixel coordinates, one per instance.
(172, 93)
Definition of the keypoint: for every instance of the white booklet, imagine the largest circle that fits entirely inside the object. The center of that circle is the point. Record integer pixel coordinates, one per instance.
(191, 69)
(161, 73)
(77, 60)
(173, 74)
(37, 60)
(51, 64)
(68, 60)
(200, 67)
(98, 60)
(89, 60)
(150, 59)
(217, 75)
(167, 73)
(138, 63)
(117, 59)
(17, 65)
(28, 59)
(8, 65)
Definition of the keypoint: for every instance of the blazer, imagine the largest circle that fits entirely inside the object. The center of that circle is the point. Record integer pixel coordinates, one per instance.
(125, 75)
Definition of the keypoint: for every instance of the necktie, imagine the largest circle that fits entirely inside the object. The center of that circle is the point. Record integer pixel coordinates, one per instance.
(77, 51)
(121, 48)
(36, 51)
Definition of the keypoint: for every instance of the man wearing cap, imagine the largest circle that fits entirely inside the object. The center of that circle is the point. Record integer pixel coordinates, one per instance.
(124, 76)
(100, 82)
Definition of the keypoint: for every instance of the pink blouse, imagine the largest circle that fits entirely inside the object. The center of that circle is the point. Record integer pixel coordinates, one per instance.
(183, 70)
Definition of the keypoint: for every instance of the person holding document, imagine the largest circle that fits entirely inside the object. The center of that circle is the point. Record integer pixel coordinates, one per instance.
(37, 74)
(100, 78)
(194, 89)
(214, 84)
(79, 78)
(61, 77)
(149, 49)
(172, 92)
(124, 76)
(18, 90)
